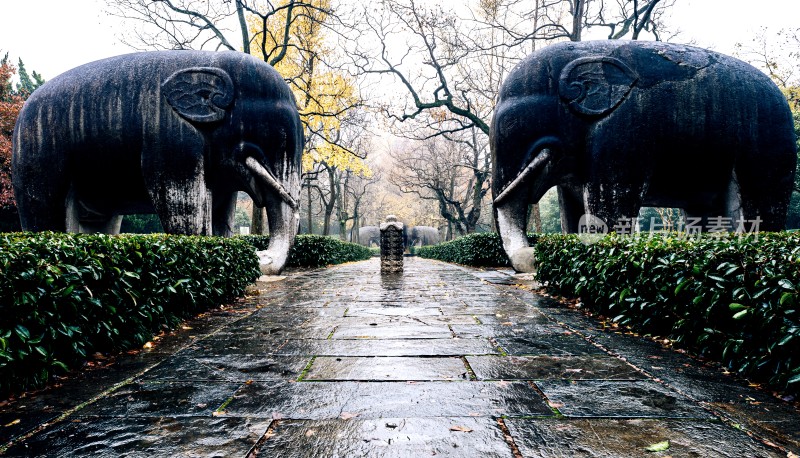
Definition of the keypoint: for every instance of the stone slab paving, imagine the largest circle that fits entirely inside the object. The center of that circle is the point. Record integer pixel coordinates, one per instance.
(439, 361)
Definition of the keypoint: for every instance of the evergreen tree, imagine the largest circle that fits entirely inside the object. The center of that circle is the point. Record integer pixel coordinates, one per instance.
(26, 86)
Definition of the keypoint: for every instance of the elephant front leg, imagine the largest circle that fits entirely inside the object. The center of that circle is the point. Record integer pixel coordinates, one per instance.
(570, 202)
(223, 213)
(609, 206)
(184, 207)
(512, 222)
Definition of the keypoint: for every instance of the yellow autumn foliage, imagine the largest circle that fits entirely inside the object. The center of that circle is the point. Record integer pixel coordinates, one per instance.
(322, 94)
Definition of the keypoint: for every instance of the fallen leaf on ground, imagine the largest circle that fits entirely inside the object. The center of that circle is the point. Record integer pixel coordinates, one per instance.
(311, 432)
(658, 447)
(218, 413)
(348, 415)
(463, 429)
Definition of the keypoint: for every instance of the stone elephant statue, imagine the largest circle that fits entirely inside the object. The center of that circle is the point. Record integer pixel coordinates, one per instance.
(175, 133)
(367, 235)
(422, 236)
(618, 125)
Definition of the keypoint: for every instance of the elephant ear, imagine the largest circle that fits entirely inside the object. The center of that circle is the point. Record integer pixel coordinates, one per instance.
(594, 86)
(199, 94)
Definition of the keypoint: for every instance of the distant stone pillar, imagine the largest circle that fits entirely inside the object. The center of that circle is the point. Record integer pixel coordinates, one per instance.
(391, 245)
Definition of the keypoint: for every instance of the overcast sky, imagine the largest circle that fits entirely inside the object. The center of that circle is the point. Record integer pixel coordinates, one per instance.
(52, 36)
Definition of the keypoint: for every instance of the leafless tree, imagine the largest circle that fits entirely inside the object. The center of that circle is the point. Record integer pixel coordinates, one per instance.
(555, 20)
(453, 174)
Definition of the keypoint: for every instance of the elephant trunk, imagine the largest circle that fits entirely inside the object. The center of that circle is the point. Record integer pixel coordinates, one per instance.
(282, 216)
(535, 169)
(511, 204)
(270, 181)
(511, 217)
(283, 222)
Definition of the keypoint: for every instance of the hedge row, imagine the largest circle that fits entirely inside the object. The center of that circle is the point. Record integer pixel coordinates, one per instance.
(315, 250)
(63, 296)
(479, 250)
(733, 299)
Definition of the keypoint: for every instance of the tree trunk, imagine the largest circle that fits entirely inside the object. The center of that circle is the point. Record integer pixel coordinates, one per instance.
(310, 212)
(354, 229)
(258, 222)
(342, 210)
(535, 220)
(577, 20)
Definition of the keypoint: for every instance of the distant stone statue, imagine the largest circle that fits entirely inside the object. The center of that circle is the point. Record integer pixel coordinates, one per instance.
(617, 125)
(175, 133)
(369, 235)
(423, 236)
(392, 245)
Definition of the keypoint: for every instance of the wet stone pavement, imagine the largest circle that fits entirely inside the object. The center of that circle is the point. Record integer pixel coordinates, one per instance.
(441, 360)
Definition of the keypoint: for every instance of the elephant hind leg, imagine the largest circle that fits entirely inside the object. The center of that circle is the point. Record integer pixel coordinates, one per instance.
(42, 214)
(41, 200)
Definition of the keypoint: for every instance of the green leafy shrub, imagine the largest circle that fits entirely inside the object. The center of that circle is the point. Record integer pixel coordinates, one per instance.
(63, 296)
(315, 250)
(728, 297)
(478, 250)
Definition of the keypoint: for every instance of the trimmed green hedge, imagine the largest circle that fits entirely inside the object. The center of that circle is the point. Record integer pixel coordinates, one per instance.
(63, 296)
(479, 250)
(315, 250)
(733, 299)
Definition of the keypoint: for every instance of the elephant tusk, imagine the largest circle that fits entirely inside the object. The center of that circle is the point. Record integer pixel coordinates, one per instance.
(264, 174)
(539, 161)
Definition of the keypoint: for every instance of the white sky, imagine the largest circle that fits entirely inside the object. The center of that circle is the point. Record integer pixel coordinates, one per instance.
(52, 36)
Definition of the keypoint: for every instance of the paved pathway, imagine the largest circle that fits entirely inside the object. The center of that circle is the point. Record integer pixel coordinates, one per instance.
(441, 361)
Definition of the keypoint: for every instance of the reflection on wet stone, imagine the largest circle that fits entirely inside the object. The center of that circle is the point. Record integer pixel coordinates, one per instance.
(593, 398)
(613, 438)
(387, 368)
(387, 437)
(568, 367)
(145, 437)
(327, 400)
